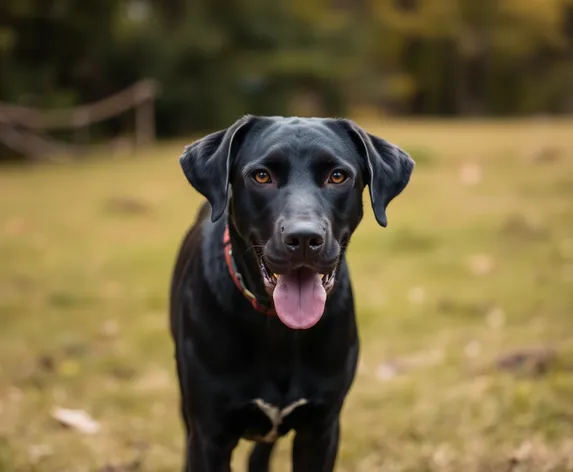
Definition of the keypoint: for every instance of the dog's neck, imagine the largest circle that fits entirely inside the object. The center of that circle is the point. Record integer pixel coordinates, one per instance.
(245, 260)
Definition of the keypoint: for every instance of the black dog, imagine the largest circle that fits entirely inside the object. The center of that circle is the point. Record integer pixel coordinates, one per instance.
(262, 312)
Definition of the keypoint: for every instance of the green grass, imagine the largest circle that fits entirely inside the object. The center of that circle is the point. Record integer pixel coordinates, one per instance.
(464, 274)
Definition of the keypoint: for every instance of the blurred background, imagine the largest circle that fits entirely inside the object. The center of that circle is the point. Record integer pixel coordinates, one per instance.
(465, 301)
(216, 60)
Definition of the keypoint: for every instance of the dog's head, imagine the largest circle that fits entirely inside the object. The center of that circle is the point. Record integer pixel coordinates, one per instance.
(295, 190)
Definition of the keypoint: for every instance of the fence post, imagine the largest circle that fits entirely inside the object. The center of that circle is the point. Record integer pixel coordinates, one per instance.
(144, 115)
(81, 120)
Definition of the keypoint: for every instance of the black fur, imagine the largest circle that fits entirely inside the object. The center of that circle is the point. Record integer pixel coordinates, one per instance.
(227, 353)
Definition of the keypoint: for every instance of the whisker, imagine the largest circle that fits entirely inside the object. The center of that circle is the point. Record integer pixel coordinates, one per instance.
(253, 247)
(259, 256)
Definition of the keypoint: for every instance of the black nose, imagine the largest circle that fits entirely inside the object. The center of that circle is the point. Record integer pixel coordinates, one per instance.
(303, 238)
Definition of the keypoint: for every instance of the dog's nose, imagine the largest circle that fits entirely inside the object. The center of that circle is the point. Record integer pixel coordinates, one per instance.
(303, 238)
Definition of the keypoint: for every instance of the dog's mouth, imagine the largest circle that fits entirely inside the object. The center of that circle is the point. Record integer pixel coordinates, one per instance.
(271, 279)
(299, 295)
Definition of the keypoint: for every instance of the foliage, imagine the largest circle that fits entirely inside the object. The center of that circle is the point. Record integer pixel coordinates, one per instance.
(218, 59)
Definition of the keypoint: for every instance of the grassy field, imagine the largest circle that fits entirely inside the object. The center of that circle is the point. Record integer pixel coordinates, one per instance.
(465, 307)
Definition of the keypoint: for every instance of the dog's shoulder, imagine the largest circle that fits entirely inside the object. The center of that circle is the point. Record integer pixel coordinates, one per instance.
(190, 243)
(189, 252)
(200, 267)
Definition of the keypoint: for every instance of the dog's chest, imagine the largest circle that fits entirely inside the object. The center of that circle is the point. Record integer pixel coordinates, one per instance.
(281, 397)
(288, 381)
(278, 420)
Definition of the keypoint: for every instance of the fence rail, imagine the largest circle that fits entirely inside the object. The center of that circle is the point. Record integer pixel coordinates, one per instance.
(21, 127)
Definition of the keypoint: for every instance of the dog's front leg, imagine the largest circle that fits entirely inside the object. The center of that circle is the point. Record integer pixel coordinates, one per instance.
(203, 454)
(316, 452)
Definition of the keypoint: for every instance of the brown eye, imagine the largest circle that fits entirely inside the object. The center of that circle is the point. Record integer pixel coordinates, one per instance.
(262, 177)
(337, 177)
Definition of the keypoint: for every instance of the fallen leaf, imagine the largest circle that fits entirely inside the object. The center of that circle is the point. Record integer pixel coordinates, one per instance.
(534, 360)
(15, 227)
(123, 372)
(522, 227)
(417, 295)
(46, 362)
(443, 456)
(75, 348)
(127, 205)
(447, 304)
(471, 174)
(390, 369)
(546, 154)
(76, 419)
(472, 349)
(386, 371)
(36, 452)
(523, 452)
(424, 358)
(14, 394)
(481, 264)
(129, 466)
(110, 329)
(154, 379)
(495, 319)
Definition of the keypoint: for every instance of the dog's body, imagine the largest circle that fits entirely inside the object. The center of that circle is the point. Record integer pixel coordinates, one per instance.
(245, 372)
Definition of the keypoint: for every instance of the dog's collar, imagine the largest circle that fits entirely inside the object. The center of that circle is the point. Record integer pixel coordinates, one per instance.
(238, 278)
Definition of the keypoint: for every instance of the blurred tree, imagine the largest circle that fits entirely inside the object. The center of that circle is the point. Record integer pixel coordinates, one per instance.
(218, 59)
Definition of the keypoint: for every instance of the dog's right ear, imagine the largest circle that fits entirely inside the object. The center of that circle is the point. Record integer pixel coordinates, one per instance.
(207, 163)
(388, 167)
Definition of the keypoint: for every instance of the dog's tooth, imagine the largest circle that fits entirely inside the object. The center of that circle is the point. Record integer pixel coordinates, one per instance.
(322, 276)
(276, 276)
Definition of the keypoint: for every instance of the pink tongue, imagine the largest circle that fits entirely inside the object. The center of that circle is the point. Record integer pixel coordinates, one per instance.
(299, 298)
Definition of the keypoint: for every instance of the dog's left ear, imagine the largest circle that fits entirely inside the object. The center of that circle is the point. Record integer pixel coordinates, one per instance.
(207, 163)
(388, 167)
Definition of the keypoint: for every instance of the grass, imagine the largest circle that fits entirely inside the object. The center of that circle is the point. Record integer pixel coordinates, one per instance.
(476, 264)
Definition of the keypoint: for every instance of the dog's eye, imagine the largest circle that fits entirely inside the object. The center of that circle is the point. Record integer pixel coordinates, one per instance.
(337, 177)
(262, 177)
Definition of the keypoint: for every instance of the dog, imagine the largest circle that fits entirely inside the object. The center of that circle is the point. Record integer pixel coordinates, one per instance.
(261, 307)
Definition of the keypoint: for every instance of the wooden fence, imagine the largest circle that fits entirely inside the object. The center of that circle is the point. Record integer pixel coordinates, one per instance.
(24, 129)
